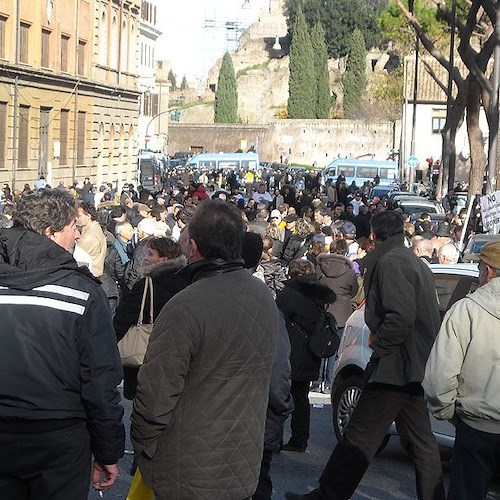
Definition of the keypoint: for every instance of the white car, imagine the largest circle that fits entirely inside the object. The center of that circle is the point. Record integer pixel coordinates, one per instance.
(453, 282)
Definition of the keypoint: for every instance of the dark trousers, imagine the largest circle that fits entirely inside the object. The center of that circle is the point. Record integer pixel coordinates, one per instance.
(377, 408)
(301, 415)
(475, 458)
(265, 486)
(53, 465)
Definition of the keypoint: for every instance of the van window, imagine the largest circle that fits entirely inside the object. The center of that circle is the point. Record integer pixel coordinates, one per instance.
(348, 171)
(366, 172)
(232, 164)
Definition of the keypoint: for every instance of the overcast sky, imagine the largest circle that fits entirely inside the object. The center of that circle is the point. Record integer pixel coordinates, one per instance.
(187, 43)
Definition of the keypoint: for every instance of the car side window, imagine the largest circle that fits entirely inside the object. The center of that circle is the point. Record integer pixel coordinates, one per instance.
(445, 286)
(453, 287)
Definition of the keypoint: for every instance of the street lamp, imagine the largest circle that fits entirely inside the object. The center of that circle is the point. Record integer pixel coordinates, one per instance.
(147, 137)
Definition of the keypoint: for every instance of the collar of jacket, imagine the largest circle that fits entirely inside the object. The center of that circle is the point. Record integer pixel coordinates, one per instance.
(371, 259)
(210, 267)
(28, 259)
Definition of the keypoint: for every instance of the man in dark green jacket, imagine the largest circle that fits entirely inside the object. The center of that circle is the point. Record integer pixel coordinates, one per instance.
(403, 316)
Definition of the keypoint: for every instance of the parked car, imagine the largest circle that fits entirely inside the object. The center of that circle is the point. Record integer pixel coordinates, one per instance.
(419, 205)
(382, 191)
(453, 282)
(474, 245)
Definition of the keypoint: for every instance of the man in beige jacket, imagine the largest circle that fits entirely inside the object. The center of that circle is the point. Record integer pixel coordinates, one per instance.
(92, 238)
(462, 381)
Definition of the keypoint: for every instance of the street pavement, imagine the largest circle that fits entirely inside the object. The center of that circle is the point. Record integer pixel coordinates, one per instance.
(390, 476)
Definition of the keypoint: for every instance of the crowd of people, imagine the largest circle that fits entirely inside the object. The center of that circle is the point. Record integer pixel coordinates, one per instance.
(228, 359)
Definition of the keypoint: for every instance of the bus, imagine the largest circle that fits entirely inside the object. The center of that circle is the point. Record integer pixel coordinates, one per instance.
(222, 161)
(361, 170)
(149, 170)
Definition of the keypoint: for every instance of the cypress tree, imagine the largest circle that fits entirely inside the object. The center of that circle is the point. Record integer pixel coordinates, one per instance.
(302, 81)
(184, 83)
(173, 81)
(226, 96)
(323, 99)
(354, 80)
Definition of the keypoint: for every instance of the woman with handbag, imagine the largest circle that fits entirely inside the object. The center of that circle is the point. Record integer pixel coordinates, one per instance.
(301, 302)
(163, 261)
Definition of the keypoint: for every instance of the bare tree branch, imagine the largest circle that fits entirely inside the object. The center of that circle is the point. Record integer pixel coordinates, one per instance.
(431, 48)
(432, 73)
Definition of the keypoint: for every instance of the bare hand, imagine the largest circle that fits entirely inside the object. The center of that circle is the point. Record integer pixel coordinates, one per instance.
(371, 339)
(104, 476)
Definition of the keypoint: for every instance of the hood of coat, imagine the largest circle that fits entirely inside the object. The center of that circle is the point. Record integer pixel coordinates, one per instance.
(168, 267)
(334, 265)
(486, 297)
(28, 259)
(312, 288)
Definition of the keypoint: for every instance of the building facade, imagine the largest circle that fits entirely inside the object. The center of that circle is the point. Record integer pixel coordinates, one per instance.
(153, 84)
(69, 99)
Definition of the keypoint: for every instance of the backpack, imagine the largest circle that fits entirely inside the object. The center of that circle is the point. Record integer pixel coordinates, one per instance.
(324, 341)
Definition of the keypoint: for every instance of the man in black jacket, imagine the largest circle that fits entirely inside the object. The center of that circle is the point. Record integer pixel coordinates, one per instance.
(59, 365)
(403, 317)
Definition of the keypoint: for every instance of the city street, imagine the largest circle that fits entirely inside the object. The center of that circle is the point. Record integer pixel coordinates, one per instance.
(390, 476)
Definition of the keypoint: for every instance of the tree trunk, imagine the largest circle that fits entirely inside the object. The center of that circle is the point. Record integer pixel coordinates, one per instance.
(477, 154)
(454, 120)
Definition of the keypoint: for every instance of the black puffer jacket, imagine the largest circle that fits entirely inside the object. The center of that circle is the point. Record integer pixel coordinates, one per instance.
(58, 355)
(300, 301)
(166, 283)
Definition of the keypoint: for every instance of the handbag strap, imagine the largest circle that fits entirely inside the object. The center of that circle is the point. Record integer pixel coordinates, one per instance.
(148, 284)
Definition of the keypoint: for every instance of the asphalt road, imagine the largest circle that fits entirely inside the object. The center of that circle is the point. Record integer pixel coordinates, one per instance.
(390, 476)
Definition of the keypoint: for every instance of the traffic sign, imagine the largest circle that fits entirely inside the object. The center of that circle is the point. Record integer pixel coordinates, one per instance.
(412, 162)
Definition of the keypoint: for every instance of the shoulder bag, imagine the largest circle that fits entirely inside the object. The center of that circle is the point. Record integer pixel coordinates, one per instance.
(133, 345)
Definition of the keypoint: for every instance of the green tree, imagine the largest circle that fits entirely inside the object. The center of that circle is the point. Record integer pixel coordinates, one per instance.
(184, 83)
(226, 96)
(323, 97)
(302, 88)
(340, 18)
(388, 93)
(173, 81)
(354, 81)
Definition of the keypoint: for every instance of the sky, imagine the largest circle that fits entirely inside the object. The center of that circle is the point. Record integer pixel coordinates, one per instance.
(194, 34)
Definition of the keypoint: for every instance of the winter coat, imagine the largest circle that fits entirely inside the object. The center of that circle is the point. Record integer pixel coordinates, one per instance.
(461, 376)
(274, 275)
(93, 242)
(337, 272)
(295, 248)
(401, 312)
(166, 283)
(199, 413)
(58, 354)
(135, 268)
(299, 302)
(114, 271)
(280, 400)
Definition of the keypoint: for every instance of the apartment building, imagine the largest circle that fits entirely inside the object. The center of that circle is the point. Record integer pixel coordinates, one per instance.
(69, 97)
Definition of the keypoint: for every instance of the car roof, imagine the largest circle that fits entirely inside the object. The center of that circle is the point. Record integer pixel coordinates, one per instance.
(462, 268)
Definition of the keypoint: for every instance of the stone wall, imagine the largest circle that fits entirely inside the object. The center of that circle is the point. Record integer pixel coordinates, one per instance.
(307, 142)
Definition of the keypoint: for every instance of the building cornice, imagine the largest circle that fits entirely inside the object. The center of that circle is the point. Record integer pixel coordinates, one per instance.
(38, 78)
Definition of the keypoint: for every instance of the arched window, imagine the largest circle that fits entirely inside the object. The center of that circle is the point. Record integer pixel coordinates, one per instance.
(124, 48)
(103, 39)
(114, 42)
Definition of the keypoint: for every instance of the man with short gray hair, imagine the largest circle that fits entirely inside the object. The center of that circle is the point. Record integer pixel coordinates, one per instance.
(462, 380)
(448, 254)
(59, 364)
